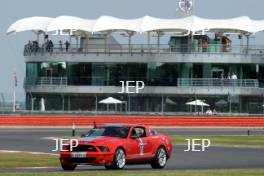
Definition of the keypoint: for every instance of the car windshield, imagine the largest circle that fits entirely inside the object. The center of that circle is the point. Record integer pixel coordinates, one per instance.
(112, 131)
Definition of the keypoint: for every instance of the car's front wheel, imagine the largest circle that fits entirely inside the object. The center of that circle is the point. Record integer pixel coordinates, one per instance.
(119, 161)
(68, 166)
(160, 159)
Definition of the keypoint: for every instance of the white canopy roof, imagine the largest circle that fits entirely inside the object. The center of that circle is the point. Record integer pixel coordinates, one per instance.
(197, 103)
(30, 24)
(70, 23)
(144, 24)
(108, 23)
(110, 100)
(157, 24)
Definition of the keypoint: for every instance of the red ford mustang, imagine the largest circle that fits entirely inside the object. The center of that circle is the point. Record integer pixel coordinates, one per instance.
(114, 146)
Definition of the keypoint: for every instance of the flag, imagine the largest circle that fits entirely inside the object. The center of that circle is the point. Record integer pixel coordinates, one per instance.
(186, 6)
(15, 79)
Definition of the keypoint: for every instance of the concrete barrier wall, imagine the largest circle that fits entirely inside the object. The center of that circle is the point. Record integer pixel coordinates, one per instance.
(158, 121)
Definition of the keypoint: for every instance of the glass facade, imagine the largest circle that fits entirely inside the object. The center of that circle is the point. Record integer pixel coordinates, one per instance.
(141, 103)
(153, 74)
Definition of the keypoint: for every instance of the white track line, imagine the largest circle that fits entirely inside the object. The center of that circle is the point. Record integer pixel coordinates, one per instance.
(33, 153)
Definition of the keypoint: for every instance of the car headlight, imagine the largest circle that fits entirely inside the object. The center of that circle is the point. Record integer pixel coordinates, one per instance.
(104, 149)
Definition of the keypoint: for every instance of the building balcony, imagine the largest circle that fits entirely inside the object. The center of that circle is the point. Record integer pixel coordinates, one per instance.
(183, 86)
(144, 49)
(200, 82)
(148, 53)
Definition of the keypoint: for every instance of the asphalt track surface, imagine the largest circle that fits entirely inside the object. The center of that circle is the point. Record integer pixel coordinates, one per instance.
(37, 140)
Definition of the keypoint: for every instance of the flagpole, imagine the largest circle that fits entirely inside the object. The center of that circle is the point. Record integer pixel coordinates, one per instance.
(14, 93)
(14, 99)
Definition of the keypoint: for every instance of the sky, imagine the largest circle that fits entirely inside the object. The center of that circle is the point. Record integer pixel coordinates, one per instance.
(11, 46)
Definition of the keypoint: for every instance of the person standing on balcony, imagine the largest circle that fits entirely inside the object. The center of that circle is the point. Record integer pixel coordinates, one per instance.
(209, 112)
(35, 47)
(60, 46)
(67, 44)
(50, 46)
(234, 78)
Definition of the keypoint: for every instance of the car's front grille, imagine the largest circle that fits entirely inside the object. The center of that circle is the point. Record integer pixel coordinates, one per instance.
(84, 148)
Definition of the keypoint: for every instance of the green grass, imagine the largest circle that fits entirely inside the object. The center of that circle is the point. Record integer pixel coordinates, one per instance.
(238, 141)
(13, 160)
(241, 172)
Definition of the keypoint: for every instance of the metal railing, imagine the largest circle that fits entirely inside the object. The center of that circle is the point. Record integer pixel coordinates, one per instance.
(46, 81)
(143, 49)
(210, 82)
(181, 82)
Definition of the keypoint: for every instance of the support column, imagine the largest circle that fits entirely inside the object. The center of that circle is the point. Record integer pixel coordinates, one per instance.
(130, 34)
(105, 42)
(162, 103)
(129, 43)
(147, 103)
(62, 102)
(148, 41)
(247, 47)
(96, 108)
(107, 74)
(221, 42)
(70, 41)
(240, 104)
(191, 42)
(86, 43)
(158, 41)
(128, 103)
(230, 102)
(69, 103)
(241, 43)
(77, 41)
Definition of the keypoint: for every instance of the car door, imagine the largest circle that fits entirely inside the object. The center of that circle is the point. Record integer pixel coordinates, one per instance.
(148, 143)
(132, 145)
(139, 144)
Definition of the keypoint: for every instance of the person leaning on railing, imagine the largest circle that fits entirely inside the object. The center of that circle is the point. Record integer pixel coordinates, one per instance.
(204, 45)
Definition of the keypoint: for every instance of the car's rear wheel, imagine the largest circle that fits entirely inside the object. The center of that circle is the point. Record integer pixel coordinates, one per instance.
(119, 161)
(68, 166)
(160, 159)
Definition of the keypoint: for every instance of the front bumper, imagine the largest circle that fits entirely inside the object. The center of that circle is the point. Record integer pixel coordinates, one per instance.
(90, 158)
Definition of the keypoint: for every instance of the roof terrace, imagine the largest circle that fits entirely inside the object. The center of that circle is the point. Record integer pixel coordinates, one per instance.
(189, 34)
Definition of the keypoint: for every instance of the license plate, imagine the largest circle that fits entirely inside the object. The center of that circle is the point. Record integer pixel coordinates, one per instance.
(78, 155)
